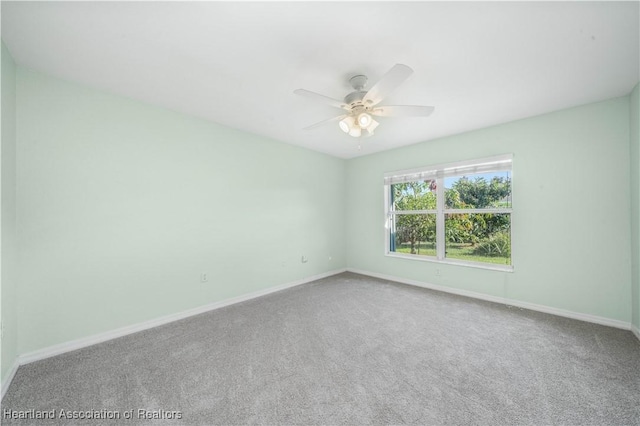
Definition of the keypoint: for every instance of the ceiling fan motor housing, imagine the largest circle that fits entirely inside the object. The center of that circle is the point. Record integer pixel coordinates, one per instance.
(354, 100)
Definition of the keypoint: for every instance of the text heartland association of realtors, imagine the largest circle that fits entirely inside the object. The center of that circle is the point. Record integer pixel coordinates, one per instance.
(139, 413)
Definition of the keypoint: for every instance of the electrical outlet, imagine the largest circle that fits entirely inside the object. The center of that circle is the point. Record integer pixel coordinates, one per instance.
(304, 259)
(203, 277)
(438, 272)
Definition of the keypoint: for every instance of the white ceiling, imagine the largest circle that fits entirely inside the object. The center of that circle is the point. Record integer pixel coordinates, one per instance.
(237, 64)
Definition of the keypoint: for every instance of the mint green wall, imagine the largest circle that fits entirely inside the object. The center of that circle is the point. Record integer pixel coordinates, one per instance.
(634, 142)
(122, 205)
(571, 210)
(8, 215)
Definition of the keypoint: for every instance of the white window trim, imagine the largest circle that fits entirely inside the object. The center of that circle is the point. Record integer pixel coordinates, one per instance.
(439, 172)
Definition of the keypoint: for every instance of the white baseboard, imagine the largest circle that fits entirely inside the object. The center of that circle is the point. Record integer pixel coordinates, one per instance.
(123, 331)
(635, 330)
(526, 305)
(7, 381)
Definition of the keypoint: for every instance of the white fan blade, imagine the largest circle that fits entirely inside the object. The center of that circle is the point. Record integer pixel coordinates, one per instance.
(387, 84)
(323, 122)
(322, 98)
(402, 111)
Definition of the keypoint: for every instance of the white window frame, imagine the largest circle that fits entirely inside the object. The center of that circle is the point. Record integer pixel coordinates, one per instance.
(439, 172)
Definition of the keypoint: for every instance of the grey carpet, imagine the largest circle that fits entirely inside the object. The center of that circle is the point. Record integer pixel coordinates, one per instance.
(350, 350)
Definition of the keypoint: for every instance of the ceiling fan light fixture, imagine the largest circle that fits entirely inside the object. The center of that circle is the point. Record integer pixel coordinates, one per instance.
(356, 132)
(364, 120)
(347, 124)
(369, 130)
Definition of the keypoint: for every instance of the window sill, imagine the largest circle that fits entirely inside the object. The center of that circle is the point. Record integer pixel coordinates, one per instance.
(489, 266)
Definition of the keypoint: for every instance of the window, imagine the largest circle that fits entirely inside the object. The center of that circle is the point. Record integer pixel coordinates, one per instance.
(454, 213)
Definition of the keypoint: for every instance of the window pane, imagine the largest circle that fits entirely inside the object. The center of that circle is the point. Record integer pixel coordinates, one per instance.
(414, 195)
(414, 234)
(478, 191)
(481, 237)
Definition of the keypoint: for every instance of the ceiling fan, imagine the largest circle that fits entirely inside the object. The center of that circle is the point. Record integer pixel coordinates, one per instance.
(360, 105)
